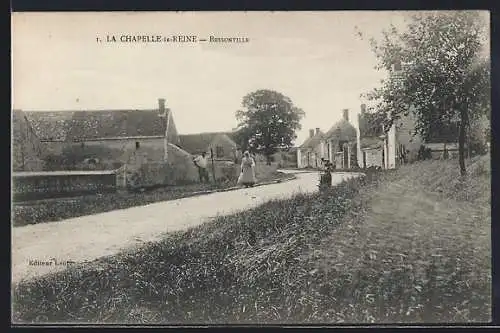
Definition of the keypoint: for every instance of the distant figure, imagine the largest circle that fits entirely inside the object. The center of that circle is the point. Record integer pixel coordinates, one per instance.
(327, 165)
(247, 176)
(202, 162)
(325, 179)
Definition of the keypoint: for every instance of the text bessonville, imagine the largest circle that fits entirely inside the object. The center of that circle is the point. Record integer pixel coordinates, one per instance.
(129, 38)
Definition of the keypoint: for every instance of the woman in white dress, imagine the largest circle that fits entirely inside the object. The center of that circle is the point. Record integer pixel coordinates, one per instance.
(247, 176)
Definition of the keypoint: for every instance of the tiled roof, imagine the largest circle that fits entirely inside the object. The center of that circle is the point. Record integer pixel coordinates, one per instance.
(312, 142)
(342, 130)
(50, 125)
(199, 142)
(87, 125)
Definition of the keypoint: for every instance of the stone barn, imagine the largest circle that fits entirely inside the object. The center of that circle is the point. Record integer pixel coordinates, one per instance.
(108, 139)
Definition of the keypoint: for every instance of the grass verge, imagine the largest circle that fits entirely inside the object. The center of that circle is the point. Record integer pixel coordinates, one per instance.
(388, 248)
(59, 209)
(173, 280)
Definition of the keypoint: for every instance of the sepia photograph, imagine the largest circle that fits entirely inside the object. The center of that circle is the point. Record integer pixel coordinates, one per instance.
(258, 168)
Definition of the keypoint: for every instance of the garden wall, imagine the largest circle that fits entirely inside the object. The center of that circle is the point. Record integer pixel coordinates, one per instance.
(44, 185)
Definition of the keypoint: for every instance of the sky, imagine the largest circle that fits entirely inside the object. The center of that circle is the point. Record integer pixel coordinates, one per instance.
(315, 58)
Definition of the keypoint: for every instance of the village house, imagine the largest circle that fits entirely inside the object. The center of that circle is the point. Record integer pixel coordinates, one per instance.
(220, 144)
(108, 139)
(400, 144)
(338, 145)
(310, 153)
(341, 143)
(386, 150)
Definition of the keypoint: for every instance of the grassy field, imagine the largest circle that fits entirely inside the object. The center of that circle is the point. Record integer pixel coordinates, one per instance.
(411, 245)
(64, 208)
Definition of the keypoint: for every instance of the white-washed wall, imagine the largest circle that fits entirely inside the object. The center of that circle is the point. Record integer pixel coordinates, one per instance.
(373, 157)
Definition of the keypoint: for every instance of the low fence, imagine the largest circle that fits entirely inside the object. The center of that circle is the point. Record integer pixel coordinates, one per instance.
(53, 184)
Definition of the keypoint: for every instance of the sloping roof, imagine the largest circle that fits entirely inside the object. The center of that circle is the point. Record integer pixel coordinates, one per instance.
(50, 125)
(342, 130)
(312, 142)
(199, 142)
(87, 125)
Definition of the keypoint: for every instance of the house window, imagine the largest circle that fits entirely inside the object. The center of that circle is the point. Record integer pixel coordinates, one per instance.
(137, 145)
(219, 151)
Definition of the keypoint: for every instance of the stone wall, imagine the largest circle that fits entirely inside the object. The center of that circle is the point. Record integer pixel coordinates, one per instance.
(50, 185)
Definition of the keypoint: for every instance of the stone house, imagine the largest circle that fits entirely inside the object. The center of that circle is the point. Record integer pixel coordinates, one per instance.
(109, 139)
(309, 154)
(400, 145)
(26, 147)
(341, 144)
(386, 150)
(220, 143)
(338, 145)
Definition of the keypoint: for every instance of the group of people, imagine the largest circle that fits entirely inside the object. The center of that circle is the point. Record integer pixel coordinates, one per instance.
(247, 170)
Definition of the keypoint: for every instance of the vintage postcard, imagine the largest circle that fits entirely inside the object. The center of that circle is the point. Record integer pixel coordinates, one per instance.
(282, 168)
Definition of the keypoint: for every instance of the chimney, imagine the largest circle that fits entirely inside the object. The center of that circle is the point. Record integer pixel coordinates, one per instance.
(311, 133)
(161, 105)
(346, 114)
(317, 130)
(363, 108)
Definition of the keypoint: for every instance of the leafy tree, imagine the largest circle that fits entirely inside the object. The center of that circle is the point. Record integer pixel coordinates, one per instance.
(267, 122)
(444, 79)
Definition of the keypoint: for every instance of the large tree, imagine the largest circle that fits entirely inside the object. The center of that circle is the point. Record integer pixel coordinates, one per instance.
(445, 78)
(267, 122)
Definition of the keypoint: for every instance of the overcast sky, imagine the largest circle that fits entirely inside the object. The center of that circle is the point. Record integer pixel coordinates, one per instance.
(315, 58)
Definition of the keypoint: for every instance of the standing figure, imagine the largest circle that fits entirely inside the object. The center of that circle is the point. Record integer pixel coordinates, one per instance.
(247, 176)
(325, 179)
(201, 162)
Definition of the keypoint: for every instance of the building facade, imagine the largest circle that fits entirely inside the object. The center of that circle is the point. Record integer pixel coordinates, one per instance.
(221, 144)
(310, 153)
(341, 144)
(109, 139)
(338, 146)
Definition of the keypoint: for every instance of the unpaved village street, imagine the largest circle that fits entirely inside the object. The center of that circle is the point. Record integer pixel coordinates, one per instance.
(87, 238)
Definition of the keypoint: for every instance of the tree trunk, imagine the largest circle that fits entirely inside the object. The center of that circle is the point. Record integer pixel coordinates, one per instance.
(461, 143)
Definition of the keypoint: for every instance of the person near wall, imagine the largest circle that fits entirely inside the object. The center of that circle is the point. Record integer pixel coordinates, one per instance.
(201, 163)
(247, 177)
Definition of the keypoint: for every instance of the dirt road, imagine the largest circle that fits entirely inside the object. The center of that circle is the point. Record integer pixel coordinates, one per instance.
(42, 248)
